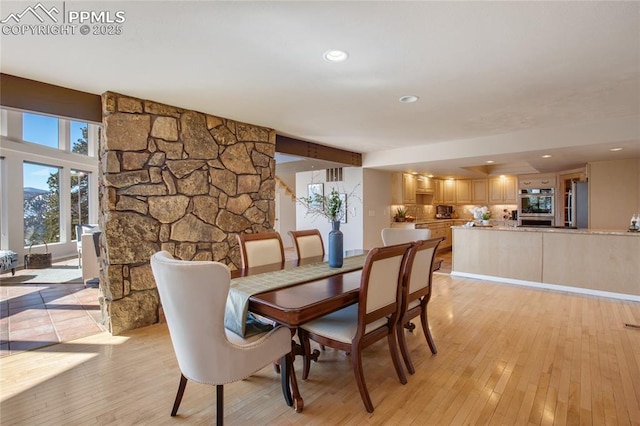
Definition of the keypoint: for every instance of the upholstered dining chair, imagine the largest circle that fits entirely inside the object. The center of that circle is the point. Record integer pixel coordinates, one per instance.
(416, 293)
(308, 243)
(193, 296)
(260, 249)
(374, 317)
(392, 236)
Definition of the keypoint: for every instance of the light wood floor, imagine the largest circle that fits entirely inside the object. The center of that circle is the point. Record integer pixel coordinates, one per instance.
(507, 355)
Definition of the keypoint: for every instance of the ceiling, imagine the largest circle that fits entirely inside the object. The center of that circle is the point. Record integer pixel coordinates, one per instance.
(500, 81)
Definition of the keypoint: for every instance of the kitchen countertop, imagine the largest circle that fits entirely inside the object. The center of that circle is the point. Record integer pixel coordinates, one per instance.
(553, 230)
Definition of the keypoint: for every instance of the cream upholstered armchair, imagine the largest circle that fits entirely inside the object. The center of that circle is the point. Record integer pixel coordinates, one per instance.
(374, 317)
(308, 243)
(260, 249)
(392, 236)
(193, 296)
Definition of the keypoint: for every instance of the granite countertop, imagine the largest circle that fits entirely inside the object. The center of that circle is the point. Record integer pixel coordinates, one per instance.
(552, 230)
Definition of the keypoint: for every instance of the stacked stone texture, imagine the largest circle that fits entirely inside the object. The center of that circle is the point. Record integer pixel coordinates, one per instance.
(175, 180)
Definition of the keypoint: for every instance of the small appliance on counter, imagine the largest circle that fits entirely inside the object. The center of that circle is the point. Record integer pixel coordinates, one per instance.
(444, 212)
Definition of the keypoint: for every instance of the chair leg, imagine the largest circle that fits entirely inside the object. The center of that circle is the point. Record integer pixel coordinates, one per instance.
(392, 339)
(285, 378)
(356, 360)
(181, 387)
(404, 349)
(219, 405)
(427, 331)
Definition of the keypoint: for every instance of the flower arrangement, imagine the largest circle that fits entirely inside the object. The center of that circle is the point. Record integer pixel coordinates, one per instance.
(331, 206)
(480, 213)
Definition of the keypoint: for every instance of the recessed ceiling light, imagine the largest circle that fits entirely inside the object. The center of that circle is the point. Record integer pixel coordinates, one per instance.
(335, 55)
(409, 99)
(489, 161)
(615, 149)
(429, 176)
(547, 156)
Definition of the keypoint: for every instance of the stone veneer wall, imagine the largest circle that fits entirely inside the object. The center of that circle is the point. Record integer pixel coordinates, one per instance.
(175, 180)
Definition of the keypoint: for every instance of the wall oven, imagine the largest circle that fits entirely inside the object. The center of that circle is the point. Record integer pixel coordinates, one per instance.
(536, 207)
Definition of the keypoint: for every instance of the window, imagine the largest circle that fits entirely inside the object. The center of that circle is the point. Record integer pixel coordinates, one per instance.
(79, 133)
(40, 129)
(79, 200)
(41, 201)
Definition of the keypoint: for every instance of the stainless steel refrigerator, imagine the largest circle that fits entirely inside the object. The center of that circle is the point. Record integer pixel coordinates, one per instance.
(578, 205)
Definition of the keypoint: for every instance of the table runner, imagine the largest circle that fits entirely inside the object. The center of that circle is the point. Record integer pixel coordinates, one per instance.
(237, 308)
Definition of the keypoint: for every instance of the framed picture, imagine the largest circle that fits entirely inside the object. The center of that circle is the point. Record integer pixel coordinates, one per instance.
(343, 208)
(314, 189)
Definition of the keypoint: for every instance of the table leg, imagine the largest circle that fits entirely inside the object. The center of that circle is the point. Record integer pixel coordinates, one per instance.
(289, 382)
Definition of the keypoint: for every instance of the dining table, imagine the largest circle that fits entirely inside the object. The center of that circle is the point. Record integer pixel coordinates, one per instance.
(294, 304)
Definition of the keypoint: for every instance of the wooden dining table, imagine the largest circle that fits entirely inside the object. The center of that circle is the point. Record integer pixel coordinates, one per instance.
(292, 306)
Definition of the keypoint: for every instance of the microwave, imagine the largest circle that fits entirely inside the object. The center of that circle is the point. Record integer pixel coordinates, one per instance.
(536, 202)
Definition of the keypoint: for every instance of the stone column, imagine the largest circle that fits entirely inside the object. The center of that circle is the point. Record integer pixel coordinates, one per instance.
(175, 180)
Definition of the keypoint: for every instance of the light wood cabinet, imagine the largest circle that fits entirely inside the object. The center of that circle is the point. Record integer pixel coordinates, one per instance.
(463, 191)
(438, 191)
(424, 184)
(503, 190)
(449, 192)
(479, 191)
(403, 188)
(536, 181)
(440, 229)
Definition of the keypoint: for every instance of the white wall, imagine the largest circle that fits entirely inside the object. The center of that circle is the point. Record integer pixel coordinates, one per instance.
(285, 215)
(377, 201)
(352, 184)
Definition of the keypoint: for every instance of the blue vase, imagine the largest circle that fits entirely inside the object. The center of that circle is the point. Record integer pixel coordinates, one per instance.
(336, 252)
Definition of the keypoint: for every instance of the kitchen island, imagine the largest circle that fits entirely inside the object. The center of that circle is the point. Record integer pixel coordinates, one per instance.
(598, 262)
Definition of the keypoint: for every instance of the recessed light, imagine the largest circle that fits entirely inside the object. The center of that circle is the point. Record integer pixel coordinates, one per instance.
(409, 99)
(429, 176)
(489, 161)
(547, 156)
(615, 149)
(335, 55)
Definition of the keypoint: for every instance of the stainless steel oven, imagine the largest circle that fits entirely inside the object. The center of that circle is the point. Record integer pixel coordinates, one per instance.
(536, 206)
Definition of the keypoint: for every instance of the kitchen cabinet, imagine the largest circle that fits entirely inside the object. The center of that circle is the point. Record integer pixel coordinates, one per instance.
(479, 191)
(503, 190)
(463, 191)
(536, 181)
(424, 184)
(403, 188)
(438, 191)
(440, 228)
(449, 191)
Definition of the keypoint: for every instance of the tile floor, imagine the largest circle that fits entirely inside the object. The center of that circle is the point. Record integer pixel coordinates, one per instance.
(37, 315)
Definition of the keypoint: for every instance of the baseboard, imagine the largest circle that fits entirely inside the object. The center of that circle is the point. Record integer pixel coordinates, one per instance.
(546, 286)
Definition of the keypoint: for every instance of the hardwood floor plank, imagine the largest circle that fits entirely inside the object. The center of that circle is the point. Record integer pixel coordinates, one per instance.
(506, 355)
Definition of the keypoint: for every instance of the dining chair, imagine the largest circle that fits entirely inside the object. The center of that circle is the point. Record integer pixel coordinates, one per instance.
(416, 293)
(374, 317)
(308, 243)
(260, 249)
(193, 296)
(392, 236)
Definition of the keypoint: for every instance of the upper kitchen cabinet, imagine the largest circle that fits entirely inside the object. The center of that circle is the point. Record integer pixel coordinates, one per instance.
(449, 191)
(479, 191)
(503, 190)
(403, 188)
(536, 181)
(463, 191)
(424, 185)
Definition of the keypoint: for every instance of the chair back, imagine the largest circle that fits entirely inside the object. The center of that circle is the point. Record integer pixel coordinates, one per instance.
(260, 249)
(381, 284)
(193, 296)
(393, 236)
(418, 271)
(308, 243)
